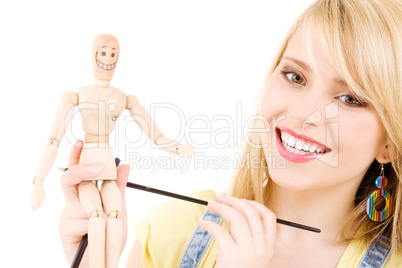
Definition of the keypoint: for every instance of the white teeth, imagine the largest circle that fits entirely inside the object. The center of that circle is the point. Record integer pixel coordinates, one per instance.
(294, 151)
(312, 148)
(284, 136)
(297, 146)
(291, 141)
(306, 148)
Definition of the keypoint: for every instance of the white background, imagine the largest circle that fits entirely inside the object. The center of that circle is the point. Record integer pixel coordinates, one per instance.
(204, 57)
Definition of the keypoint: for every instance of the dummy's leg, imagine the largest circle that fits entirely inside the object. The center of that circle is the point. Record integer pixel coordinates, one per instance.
(111, 200)
(90, 199)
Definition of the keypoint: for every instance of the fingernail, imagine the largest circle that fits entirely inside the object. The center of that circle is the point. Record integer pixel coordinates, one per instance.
(211, 203)
(201, 220)
(93, 169)
(78, 143)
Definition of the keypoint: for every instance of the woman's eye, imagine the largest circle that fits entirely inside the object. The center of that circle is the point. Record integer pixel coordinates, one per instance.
(350, 100)
(294, 77)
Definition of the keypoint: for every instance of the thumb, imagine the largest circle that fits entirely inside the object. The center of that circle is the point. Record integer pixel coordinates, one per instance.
(121, 181)
(74, 176)
(122, 177)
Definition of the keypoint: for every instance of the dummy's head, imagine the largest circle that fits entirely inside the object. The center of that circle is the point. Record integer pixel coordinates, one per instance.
(105, 53)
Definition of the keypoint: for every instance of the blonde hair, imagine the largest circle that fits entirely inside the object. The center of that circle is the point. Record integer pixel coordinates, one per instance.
(362, 40)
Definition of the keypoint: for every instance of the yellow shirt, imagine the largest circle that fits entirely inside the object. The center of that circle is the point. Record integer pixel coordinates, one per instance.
(166, 231)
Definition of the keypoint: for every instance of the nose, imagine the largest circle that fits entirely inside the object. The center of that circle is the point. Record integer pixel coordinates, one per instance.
(312, 107)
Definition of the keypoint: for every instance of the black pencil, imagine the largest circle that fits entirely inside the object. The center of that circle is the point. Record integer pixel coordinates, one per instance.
(80, 252)
(161, 192)
(205, 203)
(84, 241)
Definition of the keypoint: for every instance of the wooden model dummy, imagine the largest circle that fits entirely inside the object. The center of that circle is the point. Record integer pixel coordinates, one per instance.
(100, 105)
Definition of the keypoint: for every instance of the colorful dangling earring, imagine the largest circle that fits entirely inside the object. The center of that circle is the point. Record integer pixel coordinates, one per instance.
(375, 215)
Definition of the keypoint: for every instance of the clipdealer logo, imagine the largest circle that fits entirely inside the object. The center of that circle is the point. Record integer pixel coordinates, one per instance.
(219, 132)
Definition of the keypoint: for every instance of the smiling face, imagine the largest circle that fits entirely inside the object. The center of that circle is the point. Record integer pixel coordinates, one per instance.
(105, 53)
(327, 138)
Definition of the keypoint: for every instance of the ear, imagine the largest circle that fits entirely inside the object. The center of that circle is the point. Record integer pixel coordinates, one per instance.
(383, 156)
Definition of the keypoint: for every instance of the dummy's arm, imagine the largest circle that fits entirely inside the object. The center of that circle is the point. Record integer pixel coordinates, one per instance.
(144, 120)
(61, 121)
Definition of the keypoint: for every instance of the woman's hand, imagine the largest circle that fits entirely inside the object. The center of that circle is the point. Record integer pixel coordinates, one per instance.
(253, 229)
(73, 219)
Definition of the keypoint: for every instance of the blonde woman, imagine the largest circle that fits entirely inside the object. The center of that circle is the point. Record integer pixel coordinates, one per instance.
(331, 109)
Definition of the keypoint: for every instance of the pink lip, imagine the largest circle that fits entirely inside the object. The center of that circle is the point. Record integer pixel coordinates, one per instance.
(297, 157)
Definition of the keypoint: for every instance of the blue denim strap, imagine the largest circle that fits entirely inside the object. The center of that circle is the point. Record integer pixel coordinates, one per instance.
(199, 243)
(377, 254)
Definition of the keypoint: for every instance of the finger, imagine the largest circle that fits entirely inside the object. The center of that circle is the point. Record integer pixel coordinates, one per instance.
(268, 219)
(222, 238)
(122, 177)
(73, 229)
(75, 153)
(74, 176)
(238, 225)
(250, 213)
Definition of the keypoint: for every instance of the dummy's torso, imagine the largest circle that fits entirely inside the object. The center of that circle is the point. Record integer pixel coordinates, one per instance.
(100, 108)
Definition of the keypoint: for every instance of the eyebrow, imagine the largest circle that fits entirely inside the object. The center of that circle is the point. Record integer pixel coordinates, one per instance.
(113, 48)
(308, 69)
(104, 46)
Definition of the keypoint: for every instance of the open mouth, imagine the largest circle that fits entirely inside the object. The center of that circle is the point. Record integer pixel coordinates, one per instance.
(296, 147)
(104, 66)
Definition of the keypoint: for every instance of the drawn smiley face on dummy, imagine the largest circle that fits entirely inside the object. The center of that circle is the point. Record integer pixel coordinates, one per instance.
(105, 53)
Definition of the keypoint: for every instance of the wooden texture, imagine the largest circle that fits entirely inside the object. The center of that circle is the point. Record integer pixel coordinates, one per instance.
(105, 53)
(100, 105)
(96, 242)
(185, 150)
(172, 146)
(96, 139)
(71, 97)
(100, 108)
(111, 199)
(38, 194)
(46, 161)
(61, 122)
(99, 154)
(144, 120)
(90, 200)
(102, 83)
(114, 236)
(131, 101)
(168, 145)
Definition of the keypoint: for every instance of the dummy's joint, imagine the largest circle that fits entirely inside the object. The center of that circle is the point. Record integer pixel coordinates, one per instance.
(37, 181)
(54, 142)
